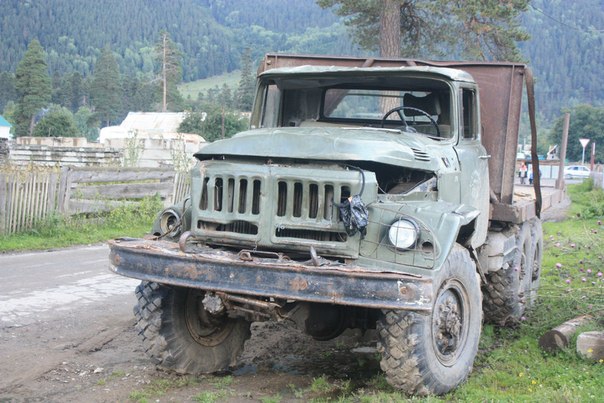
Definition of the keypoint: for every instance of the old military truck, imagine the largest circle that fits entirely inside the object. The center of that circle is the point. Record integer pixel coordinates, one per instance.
(372, 194)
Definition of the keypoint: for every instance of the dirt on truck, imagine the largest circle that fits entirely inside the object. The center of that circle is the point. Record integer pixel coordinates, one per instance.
(367, 194)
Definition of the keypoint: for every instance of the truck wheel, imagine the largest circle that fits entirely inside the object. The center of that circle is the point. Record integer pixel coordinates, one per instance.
(511, 291)
(432, 354)
(179, 335)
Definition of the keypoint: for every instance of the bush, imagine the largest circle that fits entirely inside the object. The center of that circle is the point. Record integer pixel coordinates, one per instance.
(58, 122)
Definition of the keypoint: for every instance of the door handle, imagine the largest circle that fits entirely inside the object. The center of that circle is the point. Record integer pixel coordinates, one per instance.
(485, 157)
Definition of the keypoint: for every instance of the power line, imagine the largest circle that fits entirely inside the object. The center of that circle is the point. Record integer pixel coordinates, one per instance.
(565, 24)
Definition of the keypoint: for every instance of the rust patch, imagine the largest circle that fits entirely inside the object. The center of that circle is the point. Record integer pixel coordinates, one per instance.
(116, 260)
(186, 271)
(298, 284)
(406, 290)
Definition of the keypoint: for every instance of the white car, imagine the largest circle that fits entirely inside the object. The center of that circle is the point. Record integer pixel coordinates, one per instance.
(576, 172)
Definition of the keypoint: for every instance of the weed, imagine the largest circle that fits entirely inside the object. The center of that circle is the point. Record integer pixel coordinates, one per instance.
(271, 399)
(321, 385)
(298, 393)
(209, 397)
(117, 374)
(222, 382)
(160, 386)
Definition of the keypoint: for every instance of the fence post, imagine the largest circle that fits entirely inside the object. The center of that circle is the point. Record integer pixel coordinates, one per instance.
(3, 202)
(64, 190)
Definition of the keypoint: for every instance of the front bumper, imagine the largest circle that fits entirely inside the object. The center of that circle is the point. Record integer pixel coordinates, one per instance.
(269, 275)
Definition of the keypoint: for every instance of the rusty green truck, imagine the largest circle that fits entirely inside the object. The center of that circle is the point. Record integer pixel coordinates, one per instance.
(367, 193)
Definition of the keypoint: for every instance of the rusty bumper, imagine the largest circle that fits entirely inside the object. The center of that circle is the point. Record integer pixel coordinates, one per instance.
(268, 276)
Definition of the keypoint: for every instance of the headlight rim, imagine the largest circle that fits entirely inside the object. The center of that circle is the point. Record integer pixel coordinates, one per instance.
(392, 234)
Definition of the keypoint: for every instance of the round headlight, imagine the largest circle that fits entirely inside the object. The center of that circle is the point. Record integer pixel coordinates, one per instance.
(403, 234)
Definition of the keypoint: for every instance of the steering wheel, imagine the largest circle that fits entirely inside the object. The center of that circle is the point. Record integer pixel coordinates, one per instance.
(399, 109)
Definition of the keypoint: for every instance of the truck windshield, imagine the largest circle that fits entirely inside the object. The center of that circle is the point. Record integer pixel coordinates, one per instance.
(412, 104)
(422, 111)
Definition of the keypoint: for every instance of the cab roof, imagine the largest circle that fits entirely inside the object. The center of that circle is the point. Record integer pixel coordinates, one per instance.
(308, 71)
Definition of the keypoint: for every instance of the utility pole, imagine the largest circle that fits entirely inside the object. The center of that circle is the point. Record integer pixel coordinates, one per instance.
(560, 181)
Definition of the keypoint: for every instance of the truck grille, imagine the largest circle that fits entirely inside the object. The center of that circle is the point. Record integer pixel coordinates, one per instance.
(231, 195)
(273, 207)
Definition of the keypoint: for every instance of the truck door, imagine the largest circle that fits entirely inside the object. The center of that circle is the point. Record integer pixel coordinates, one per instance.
(473, 161)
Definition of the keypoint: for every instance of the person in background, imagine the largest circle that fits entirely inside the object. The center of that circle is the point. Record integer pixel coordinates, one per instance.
(522, 173)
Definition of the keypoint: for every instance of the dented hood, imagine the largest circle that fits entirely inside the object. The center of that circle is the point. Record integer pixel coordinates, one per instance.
(335, 144)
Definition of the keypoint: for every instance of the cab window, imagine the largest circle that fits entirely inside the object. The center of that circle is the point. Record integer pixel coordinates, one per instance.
(469, 122)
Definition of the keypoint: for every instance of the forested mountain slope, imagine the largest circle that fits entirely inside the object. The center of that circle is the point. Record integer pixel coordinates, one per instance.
(73, 32)
(566, 49)
(211, 34)
(566, 52)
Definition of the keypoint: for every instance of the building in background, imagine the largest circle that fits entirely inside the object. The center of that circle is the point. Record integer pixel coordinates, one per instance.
(150, 139)
(5, 128)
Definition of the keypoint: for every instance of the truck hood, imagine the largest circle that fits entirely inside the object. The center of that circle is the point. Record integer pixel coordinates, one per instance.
(331, 144)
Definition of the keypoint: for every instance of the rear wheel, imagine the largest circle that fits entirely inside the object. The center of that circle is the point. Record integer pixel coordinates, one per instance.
(432, 354)
(512, 290)
(180, 335)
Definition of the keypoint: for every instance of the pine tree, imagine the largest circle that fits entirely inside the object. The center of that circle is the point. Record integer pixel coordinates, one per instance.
(481, 29)
(33, 86)
(245, 91)
(105, 89)
(8, 92)
(168, 57)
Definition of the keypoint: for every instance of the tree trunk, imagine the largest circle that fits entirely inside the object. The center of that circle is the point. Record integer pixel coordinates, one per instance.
(31, 125)
(591, 345)
(390, 42)
(164, 76)
(390, 29)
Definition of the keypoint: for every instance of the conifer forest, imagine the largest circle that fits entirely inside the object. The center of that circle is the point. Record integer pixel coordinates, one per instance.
(88, 63)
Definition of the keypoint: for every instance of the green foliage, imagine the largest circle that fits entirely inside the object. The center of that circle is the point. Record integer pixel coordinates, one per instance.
(140, 93)
(60, 231)
(105, 89)
(69, 90)
(214, 125)
(221, 123)
(564, 53)
(159, 387)
(8, 92)
(33, 88)
(586, 121)
(476, 29)
(588, 202)
(87, 123)
(193, 89)
(74, 34)
(193, 123)
(58, 122)
(245, 91)
(213, 34)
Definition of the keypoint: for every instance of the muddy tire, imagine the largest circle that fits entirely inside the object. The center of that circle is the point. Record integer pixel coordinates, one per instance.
(179, 335)
(510, 291)
(433, 353)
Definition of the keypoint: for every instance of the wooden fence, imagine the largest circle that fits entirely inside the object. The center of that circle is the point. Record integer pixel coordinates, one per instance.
(30, 194)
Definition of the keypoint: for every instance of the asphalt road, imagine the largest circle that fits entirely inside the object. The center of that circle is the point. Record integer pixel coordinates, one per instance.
(40, 285)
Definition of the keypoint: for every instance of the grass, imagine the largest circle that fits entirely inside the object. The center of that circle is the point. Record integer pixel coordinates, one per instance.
(193, 88)
(59, 231)
(159, 387)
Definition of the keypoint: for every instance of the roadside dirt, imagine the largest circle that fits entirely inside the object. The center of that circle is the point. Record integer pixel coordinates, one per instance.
(94, 356)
